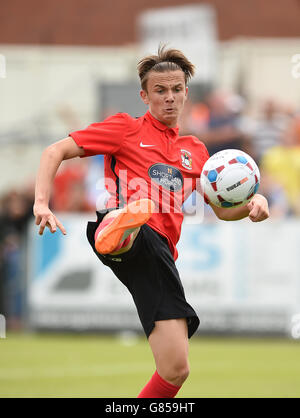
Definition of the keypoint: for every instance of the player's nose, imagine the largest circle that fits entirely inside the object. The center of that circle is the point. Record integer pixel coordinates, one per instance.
(170, 97)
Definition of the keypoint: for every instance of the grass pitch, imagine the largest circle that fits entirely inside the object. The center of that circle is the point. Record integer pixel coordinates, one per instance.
(97, 366)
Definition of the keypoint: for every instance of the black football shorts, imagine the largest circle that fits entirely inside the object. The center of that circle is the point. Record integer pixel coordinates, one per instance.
(148, 271)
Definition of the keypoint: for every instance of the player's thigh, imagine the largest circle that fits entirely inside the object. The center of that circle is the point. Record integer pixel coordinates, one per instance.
(169, 344)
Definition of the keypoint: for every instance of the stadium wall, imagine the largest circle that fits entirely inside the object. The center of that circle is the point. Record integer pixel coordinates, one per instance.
(94, 22)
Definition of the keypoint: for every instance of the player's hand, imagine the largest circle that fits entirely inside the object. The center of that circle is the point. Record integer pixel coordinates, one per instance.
(258, 208)
(45, 218)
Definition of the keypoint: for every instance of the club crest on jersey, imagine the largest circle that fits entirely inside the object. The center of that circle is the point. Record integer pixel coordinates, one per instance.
(186, 159)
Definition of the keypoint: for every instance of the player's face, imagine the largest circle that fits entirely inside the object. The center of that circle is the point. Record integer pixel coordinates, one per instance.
(166, 94)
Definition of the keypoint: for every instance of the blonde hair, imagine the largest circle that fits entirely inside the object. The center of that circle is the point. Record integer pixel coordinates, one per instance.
(165, 60)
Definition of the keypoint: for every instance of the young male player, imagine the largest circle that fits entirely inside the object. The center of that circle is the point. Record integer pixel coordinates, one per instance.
(149, 171)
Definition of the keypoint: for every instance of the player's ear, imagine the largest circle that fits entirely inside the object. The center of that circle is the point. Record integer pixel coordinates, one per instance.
(144, 96)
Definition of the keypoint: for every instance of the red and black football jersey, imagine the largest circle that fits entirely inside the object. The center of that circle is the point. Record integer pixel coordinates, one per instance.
(145, 158)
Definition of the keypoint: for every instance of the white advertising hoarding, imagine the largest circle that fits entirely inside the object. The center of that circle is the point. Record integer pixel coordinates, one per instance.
(191, 29)
(238, 276)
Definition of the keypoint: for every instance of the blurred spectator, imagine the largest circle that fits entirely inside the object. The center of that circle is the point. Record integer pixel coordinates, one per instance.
(269, 128)
(276, 196)
(194, 119)
(16, 210)
(295, 127)
(79, 186)
(69, 190)
(282, 164)
(225, 127)
(219, 121)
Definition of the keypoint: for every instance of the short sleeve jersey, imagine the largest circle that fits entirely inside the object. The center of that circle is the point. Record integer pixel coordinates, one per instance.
(145, 158)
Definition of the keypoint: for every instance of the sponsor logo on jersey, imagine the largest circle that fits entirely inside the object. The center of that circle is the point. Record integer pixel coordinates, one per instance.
(170, 178)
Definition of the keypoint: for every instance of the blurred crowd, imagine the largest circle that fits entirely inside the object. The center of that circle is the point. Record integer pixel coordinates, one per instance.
(221, 120)
(270, 134)
(15, 212)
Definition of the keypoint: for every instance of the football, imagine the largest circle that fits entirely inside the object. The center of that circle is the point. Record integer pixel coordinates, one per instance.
(229, 178)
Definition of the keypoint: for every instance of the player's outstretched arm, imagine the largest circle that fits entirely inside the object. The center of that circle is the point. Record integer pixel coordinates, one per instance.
(257, 210)
(49, 164)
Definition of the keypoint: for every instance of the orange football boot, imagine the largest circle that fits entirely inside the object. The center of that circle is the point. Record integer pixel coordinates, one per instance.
(128, 219)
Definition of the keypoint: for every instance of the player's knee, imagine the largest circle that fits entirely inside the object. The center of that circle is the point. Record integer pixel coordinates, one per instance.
(178, 373)
(183, 374)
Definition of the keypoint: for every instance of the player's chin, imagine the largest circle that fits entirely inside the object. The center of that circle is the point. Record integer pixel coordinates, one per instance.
(171, 116)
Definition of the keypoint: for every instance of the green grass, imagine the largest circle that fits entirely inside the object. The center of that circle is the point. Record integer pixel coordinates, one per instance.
(97, 366)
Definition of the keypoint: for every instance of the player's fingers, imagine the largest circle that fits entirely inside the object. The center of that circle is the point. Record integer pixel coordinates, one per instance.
(38, 219)
(60, 226)
(254, 213)
(51, 224)
(262, 215)
(258, 208)
(250, 205)
(254, 218)
(42, 226)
